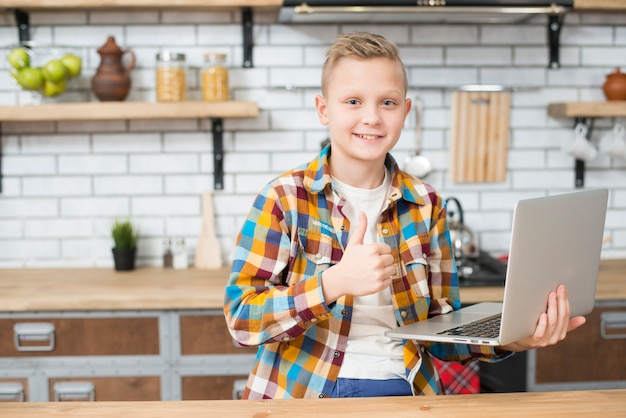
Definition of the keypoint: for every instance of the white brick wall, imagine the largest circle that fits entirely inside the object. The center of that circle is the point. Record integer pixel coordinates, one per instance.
(64, 183)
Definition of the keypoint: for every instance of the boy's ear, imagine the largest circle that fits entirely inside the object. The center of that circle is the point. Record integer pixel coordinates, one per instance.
(320, 106)
(408, 104)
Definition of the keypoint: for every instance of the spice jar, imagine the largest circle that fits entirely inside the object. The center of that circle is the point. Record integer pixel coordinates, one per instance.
(171, 85)
(215, 78)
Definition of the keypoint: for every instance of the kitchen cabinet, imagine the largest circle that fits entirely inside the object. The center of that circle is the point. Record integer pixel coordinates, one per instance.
(153, 334)
(157, 333)
(593, 354)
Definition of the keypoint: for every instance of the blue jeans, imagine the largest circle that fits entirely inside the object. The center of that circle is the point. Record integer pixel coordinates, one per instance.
(362, 388)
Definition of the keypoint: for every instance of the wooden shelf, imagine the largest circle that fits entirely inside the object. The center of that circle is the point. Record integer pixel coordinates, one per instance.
(127, 110)
(582, 111)
(139, 4)
(138, 110)
(587, 109)
(599, 5)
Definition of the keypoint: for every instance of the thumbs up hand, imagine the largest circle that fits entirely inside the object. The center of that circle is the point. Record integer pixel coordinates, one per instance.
(364, 268)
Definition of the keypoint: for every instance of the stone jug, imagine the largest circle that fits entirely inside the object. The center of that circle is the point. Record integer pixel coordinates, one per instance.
(614, 87)
(112, 81)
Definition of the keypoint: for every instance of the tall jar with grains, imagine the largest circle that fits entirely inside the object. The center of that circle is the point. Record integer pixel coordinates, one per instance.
(215, 86)
(171, 83)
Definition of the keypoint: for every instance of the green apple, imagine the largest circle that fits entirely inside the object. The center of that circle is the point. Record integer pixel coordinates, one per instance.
(51, 89)
(30, 78)
(14, 73)
(72, 63)
(54, 71)
(19, 58)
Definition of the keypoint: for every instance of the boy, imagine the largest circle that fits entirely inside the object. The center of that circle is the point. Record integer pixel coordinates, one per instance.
(337, 251)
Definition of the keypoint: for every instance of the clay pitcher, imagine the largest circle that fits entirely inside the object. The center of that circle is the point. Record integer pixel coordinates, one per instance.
(112, 81)
(614, 87)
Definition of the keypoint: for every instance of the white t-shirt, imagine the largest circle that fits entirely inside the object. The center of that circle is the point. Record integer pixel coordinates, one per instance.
(370, 354)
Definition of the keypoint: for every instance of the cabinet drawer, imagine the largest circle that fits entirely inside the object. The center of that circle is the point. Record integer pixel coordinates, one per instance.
(585, 355)
(143, 388)
(81, 337)
(197, 388)
(207, 334)
(13, 390)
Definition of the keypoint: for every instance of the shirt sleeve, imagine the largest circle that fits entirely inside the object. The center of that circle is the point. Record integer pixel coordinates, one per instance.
(443, 279)
(260, 304)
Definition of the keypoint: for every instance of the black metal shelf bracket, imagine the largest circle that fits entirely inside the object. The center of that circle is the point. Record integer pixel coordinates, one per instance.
(555, 23)
(218, 153)
(23, 25)
(579, 165)
(247, 23)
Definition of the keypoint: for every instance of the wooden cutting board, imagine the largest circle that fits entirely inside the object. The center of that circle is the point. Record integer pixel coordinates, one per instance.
(208, 252)
(479, 134)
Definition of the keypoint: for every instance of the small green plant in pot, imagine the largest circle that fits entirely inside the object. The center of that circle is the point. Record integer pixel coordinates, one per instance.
(125, 237)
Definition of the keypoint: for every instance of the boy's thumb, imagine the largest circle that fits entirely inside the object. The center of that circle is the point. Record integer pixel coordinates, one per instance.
(358, 233)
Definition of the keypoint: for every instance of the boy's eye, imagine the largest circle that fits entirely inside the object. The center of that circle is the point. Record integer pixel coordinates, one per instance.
(388, 103)
(353, 101)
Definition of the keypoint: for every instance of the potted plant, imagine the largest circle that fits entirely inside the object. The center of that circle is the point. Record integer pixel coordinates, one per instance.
(125, 237)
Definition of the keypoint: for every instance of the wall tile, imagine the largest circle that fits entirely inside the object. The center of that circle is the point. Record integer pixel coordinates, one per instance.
(88, 173)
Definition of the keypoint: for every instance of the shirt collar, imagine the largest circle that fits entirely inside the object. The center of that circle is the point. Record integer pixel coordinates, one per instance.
(317, 178)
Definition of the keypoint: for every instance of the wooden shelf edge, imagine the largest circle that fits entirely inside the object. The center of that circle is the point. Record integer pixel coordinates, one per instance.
(138, 4)
(588, 109)
(599, 5)
(127, 110)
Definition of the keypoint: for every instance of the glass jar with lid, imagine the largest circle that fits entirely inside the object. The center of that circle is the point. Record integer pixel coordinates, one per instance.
(171, 81)
(215, 86)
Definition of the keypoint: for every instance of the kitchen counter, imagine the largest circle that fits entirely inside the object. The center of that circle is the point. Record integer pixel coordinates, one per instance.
(608, 403)
(76, 289)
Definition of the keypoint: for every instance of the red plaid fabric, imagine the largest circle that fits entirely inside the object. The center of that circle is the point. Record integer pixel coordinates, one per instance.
(457, 378)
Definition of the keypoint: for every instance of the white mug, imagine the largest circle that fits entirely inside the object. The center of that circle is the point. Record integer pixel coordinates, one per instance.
(617, 145)
(581, 148)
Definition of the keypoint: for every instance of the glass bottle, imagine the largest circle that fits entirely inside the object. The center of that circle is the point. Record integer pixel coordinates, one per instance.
(171, 83)
(181, 259)
(215, 78)
(168, 257)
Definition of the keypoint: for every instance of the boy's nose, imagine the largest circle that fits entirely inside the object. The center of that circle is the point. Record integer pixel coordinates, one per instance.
(371, 115)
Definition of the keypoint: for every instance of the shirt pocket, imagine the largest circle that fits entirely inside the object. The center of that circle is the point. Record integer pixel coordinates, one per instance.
(415, 260)
(320, 250)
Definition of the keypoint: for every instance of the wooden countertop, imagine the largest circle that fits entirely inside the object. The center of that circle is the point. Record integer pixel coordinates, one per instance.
(584, 403)
(81, 289)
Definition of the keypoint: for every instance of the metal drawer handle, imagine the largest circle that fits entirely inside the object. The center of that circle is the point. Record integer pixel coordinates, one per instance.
(611, 321)
(9, 391)
(33, 331)
(74, 391)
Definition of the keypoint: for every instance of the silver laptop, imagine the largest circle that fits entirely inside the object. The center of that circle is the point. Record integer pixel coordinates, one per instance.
(555, 240)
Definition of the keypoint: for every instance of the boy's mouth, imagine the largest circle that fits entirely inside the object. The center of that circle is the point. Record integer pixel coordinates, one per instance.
(368, 137)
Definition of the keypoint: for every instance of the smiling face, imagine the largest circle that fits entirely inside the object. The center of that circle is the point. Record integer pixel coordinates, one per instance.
(365, 106)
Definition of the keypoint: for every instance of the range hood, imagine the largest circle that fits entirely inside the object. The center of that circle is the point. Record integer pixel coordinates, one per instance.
(419, 11)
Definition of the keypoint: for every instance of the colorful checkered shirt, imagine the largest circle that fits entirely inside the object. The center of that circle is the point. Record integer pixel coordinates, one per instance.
(295, 230)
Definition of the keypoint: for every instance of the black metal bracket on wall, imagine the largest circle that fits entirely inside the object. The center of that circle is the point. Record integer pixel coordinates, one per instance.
(23, 25)
(579, 165)
(247, 23)
(217, 128)
(555, 23)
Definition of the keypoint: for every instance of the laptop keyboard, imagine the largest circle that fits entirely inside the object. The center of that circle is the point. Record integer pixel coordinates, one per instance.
(485, 328)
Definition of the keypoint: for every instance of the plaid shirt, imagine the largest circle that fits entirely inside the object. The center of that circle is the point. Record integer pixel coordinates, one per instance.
(295, 230)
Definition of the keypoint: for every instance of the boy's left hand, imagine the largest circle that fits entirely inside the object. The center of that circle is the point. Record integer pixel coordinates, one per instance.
(552, 326)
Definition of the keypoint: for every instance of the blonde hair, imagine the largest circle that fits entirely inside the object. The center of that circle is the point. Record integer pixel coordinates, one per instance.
(360, 45)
